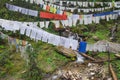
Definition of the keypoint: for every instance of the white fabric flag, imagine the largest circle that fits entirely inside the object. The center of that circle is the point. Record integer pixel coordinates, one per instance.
(32, 12)
(24, 11)
(44, 7)
(51, 39)
(57, 24)
(102, 17)
(94, 19)
(28, 31)
(80, 4)
(63, 22)
(62, 41)
(35, 23)
(39, 35)
(57, 40)
(78, 10)
(85, 21)
(90, 18)
(61, 3)
(75, 18)
(97, 19)
(84, 4)
(9, 26)
(90, 3)
(92, 10)
(111, 16)
(22, 29)
(74, 3)
(16, 8)
(67, 2)
(107, 17)
(66, 22)
(45, 35)
(74, 22)
(69, 22)
(38, 1)
(31, 1)
(3, 25)
(74, 44)
(67, 43)
(26, 0)
(93, 4)
(81, 20)
(16, 25)
(61, 12)
(72, 9)
(46, 24)
(33, 33)
(116, 16)
(42, 24)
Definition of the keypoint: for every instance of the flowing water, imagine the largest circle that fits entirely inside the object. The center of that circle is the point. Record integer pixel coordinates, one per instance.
(79, 59)
(81, 69)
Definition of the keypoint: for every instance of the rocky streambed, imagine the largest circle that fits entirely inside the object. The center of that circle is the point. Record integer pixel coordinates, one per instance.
(81, 71)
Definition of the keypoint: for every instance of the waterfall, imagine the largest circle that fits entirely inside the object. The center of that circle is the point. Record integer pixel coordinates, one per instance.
(80, 59)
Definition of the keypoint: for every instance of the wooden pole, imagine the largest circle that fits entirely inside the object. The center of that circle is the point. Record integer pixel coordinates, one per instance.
(101, 61)
(107, 46)
(113, 73)
(89, 57)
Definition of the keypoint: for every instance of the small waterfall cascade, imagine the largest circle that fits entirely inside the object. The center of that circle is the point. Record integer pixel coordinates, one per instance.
(80, 59)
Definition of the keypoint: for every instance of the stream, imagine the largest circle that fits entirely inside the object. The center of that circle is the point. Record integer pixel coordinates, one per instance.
(81, 69)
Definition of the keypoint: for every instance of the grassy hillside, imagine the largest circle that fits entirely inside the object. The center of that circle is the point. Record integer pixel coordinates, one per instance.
(45, 58)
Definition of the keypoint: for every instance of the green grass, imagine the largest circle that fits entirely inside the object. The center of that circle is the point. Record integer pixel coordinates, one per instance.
(101, 34)
(13, 64)
(116, 65)
(49, 60)
(105, 55)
